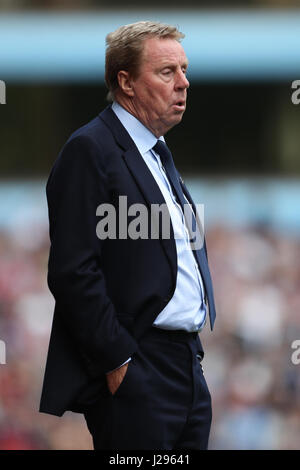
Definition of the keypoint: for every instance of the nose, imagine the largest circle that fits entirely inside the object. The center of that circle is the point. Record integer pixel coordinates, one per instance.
(182, 82)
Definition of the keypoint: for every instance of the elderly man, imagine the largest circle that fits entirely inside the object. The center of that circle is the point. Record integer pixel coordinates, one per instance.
(125, 348)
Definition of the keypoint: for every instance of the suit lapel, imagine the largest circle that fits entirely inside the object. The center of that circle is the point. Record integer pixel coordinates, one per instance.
(203, 266)
(142, 176)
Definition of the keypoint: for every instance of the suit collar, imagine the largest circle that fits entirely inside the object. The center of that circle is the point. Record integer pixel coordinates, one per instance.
(143, 138)
(133, 158)
(120, 134)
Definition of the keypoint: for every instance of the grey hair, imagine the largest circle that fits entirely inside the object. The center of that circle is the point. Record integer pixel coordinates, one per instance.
(124, 48)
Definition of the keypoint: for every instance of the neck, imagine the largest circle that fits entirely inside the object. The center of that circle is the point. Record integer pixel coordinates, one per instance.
(129, 105)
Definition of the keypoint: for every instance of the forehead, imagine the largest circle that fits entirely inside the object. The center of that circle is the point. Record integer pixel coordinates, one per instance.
(159, 51)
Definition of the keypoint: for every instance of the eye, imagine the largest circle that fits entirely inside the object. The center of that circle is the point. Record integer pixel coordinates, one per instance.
(166, 71)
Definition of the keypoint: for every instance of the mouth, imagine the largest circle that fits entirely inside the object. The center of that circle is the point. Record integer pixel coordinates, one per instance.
(179, 105)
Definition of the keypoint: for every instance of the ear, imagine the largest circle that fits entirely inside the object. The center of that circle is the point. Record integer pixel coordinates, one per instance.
(125, 83)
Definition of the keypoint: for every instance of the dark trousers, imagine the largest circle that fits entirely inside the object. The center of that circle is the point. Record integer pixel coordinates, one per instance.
(162, 403)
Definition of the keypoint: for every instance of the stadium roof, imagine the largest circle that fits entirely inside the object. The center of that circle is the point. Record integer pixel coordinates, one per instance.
(220, 45)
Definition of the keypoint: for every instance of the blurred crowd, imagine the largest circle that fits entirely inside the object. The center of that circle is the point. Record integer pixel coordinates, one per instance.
(254, 384)
(26, 311)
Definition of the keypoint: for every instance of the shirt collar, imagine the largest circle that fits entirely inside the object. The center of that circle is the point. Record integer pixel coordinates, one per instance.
(142, 137)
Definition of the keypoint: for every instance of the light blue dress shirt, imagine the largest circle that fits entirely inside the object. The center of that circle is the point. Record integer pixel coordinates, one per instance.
(187, 309)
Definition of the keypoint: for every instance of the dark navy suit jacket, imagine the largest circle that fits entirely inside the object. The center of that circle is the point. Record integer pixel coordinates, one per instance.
(107, 292)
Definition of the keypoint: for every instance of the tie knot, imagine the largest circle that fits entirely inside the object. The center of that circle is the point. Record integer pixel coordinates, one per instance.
(163, 151)
(159, 146)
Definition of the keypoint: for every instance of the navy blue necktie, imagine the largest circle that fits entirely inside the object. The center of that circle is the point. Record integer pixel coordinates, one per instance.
(167, 160)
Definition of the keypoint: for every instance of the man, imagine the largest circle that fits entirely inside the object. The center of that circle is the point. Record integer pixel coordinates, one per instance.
(124, 347)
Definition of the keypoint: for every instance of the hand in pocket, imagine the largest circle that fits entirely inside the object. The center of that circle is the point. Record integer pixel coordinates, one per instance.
(115, 378)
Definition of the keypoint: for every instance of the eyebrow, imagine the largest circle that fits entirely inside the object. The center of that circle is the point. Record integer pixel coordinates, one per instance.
(172, 66)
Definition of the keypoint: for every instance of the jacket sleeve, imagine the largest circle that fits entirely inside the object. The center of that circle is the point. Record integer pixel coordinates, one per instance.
(76, 186)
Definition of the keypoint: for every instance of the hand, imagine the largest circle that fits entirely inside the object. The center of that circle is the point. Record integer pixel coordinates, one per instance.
(115, 378)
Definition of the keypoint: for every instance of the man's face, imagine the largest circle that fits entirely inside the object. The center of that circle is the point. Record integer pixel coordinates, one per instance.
(159, 91)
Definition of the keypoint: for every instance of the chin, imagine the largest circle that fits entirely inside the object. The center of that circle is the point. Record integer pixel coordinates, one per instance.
(177, 118)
